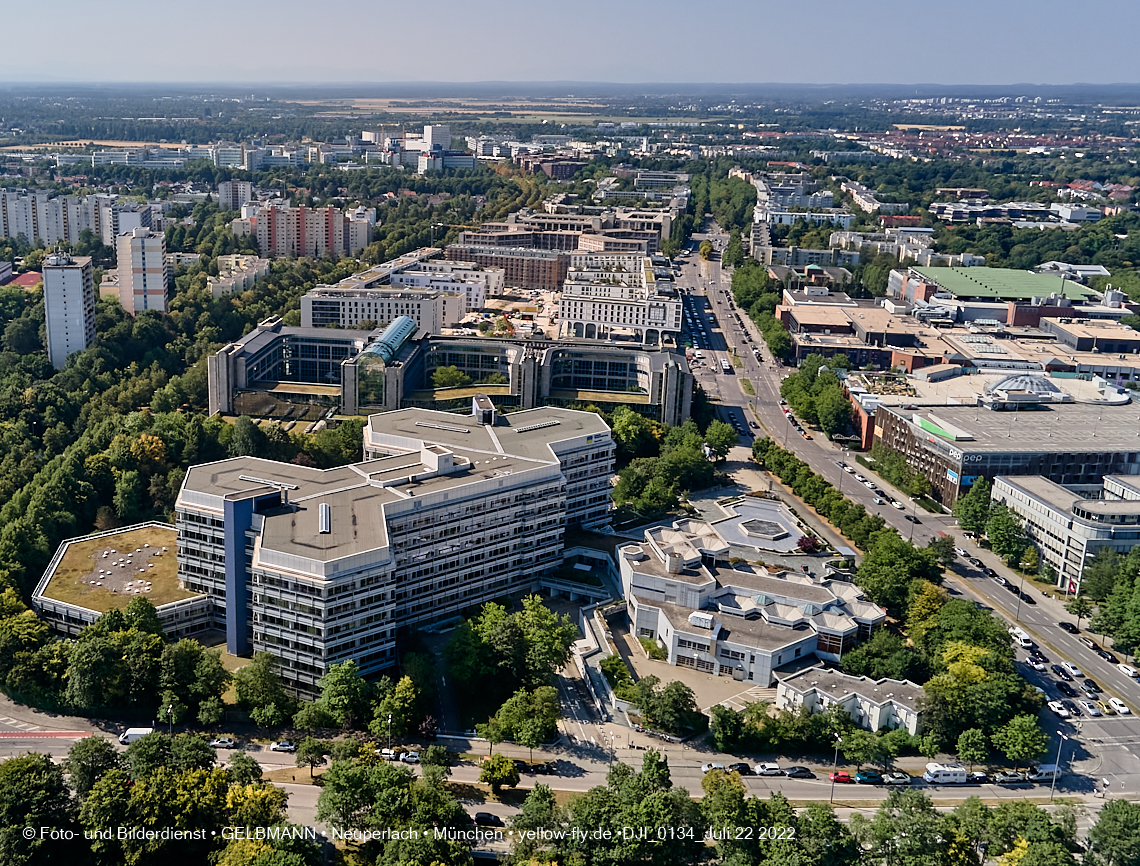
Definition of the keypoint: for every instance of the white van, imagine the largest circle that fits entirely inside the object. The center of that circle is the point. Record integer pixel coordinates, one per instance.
(131, 734)
(1127, 671)
(944, 774)
(1026, 642)
(1044, 773)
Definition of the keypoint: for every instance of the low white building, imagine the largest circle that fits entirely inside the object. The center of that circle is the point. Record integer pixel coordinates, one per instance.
(1068, 527)
(237, 273)
(735, 622)
(871, 704)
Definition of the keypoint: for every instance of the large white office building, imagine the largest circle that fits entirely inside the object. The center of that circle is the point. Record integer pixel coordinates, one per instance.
(144, 272)
(610, 294)
(745, 624)
(435, 293)
(69, 306)
(448, 511)
(1069, 526)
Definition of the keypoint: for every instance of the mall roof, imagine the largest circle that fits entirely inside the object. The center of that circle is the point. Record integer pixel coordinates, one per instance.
(1002, 284)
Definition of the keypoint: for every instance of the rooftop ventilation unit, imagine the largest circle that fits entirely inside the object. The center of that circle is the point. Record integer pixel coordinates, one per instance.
(530, 427)
(325, 515)
(446, 427)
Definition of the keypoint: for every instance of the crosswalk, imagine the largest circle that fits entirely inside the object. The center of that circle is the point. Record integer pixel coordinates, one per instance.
(6, 722)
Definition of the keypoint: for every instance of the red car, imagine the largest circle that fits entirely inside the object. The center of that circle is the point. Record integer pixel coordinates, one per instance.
(840, 776)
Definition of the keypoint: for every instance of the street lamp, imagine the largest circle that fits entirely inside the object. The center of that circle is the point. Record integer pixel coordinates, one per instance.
(1060, 743)
(389, 733)
(1020, 594)
(834, 764)
(170, 718)
(913, 515)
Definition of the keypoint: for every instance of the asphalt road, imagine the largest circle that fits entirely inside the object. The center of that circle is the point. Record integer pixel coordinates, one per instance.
(1106, 748)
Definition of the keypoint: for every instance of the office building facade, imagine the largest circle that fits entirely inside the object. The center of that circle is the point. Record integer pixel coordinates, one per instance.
(317, 567)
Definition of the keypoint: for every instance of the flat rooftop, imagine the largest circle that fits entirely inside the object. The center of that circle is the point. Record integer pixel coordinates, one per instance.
(1004, 284)
(1064, 499)
(106, 572)
(750, 632)
(1067, 427)
(528, 434)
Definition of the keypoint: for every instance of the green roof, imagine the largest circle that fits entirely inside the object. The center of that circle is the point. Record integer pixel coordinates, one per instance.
(1002, 284)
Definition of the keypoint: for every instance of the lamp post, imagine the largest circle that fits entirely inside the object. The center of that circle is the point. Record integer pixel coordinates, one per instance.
(1020, 594)
(170, 718)
(389, 733)
(913, 515)
(1053, 785)
(834, 764)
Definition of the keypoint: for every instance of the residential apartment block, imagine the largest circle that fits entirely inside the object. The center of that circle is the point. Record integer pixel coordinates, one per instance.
(144, 272)
(69, 306)
(305, 231)
(317, 567)
(871, 704)
(522, 267)
(232, 194)
(237, 273)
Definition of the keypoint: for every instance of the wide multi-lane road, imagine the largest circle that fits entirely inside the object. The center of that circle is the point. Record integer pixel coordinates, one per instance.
(1106, 748)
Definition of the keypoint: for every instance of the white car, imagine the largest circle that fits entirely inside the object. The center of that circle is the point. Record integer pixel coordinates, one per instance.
(708, 768)
(1058, 709)
(859, 477)
(768, 770)
(1119, 706)
(1072, 669)
(410, 757)
(283, 746)
(1037, 666)
(870, 485)
(849, 470)
(1089, 708)
(1127, 671)
(222, 743)
(898, 505)
(960, 552)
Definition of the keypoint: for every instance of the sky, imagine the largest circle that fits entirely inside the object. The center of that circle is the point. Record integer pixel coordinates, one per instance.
(632, 41)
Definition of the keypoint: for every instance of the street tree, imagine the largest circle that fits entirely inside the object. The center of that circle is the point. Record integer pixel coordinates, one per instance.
(1021, 739)
(87, 760)
(1080, 607)
(345, 694)
(973, 510)
(972, 747)
(311, 752)
(33, 795)
(1006, 534)
(943, 547)
(499, 771)
(720, 437)
(1115, 837)
(243, 769)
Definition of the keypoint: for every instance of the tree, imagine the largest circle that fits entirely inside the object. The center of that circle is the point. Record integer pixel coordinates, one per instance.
(943, 548)
(248, 439)
(1080, 607)
(256, 805)
(243, 769)
(973, 510)
(492, 732)
(87, 760)
(720, 437)
(1021, 739)
(1115, 837)
(311, 752)
(891, 566)
(548, 638)
(312, 715)
(1006, 534)
(449, 377)
(259, 686)
(191, 752)
(675, 708)
(862, 747)
(705, 250)
(147, 754)
(972, 747)
(211, 711)
(1030, 560)
(33, 795)
(833, 411)
(499, 771)
(345, 693)
(436, 755)
(399, 703)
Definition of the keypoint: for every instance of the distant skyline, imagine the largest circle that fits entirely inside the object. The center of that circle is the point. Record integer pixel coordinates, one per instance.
(636, 41)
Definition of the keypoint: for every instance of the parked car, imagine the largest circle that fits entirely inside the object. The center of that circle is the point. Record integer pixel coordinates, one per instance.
(1127, 670)
(410, 757)
(1119, 706)
(1089, 708)
(1072, 708)
(799, 773)
(840, 464)
(741, 768)
(859, 477)
(977, 563)
(989, 572)
(709, 767)
(896, 504)
(1060, 671)
(768, 770)
(487, 819)
(977, 778)
(839, 776)
(1058, 709)
(1001, 581)
(960, 552)
(1008, 777)
(1107, 656)
(1026, 597)
(1105, 708)
(1036, 665)
(1067, 690)
(896, 779)
(1069, 627)
(223, 743)
(1090, 686)
(1038, 656)
(868, 777)
(1089, 642)
(1072, 669)
(283, 746)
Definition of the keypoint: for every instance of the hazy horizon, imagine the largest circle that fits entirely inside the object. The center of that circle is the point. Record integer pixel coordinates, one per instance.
(734, 43)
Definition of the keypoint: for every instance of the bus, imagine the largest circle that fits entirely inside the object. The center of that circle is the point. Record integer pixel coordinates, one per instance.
(725, 367)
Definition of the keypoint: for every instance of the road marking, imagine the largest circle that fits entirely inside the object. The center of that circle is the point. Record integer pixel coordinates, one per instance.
(40, 735)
